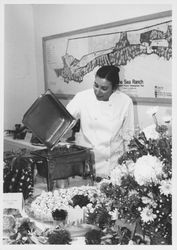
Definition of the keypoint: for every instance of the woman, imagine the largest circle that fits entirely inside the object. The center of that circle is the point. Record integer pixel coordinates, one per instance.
(106, 119)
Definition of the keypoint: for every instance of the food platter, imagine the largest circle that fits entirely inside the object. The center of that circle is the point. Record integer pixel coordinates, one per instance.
(75, 230)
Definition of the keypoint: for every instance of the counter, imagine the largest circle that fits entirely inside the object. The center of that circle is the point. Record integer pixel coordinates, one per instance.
(13, 145)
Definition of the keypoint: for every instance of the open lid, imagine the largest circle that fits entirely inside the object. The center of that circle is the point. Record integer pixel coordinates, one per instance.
(48, 119)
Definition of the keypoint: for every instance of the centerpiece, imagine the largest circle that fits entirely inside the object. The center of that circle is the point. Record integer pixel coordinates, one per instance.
(140, 192)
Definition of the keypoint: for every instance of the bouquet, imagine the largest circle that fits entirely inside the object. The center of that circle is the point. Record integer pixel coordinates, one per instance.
(139, 195)
(147, 185)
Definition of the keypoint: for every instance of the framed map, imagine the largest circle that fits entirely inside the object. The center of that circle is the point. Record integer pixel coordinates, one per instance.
(141, 47)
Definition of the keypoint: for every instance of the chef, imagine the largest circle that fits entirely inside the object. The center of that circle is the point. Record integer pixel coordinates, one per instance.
(106, 119)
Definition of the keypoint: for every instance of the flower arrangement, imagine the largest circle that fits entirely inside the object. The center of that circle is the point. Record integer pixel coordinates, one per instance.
(139, 192)
(23, 231)
(26, 232)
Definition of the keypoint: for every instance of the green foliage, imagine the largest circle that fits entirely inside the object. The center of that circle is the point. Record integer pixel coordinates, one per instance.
(80, 200)
(59, 236)
(93, 237)
(100, 217)
(140, 146)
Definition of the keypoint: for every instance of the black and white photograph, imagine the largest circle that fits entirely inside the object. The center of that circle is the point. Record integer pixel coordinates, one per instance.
(87, 123)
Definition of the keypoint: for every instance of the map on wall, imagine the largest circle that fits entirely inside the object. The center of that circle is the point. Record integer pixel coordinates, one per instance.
(142, 51)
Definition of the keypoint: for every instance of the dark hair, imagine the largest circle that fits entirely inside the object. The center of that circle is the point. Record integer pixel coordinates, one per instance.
(110, 73)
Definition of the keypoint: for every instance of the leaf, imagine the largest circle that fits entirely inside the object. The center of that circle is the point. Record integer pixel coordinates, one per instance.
(107, 236)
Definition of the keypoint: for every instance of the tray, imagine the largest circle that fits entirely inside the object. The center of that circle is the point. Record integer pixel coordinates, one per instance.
(48, 119)
(78, 230)
(61, 151)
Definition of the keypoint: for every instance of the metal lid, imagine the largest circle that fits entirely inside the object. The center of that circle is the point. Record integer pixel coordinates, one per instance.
(48, 119)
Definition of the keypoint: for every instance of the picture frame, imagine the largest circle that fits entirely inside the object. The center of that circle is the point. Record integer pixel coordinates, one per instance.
(141, 47)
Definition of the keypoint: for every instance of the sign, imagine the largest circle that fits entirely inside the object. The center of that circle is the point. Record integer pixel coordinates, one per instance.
(13, 200)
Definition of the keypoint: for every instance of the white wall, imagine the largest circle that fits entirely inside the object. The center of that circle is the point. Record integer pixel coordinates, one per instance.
(25, 25)
(20, 85)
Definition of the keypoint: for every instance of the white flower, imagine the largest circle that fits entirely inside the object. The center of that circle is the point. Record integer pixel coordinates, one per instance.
(89, 205)
(133, 192)
(166, 187)
(131, 242)
(121, 170)
(131, 166)
(149, 201)
(148, 169)
(147, 214)
(104, 181)
(153, 110)
(150, 132)
(114, 214)
(116, 175)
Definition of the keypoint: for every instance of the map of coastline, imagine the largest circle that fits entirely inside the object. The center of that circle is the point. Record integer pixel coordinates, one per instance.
(154, 41)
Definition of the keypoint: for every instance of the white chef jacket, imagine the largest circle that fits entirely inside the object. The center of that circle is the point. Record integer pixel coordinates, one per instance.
(106, 126)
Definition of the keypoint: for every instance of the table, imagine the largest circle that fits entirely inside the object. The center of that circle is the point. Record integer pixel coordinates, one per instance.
(56, 168)
(11, 144)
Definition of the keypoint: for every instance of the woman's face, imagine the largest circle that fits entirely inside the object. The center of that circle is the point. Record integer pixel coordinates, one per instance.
(102, 89)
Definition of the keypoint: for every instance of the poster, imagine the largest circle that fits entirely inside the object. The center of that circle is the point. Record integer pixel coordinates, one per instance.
(141, 48)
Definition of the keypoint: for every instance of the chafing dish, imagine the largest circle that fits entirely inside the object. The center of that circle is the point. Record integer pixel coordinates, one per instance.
(49, 120)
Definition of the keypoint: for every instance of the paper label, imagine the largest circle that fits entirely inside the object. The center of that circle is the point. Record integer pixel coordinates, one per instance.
(13, 200)
(28, 137)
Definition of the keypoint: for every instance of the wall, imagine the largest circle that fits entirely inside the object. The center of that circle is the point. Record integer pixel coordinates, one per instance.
(25, 25)
(72, 17)
(20, 85)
